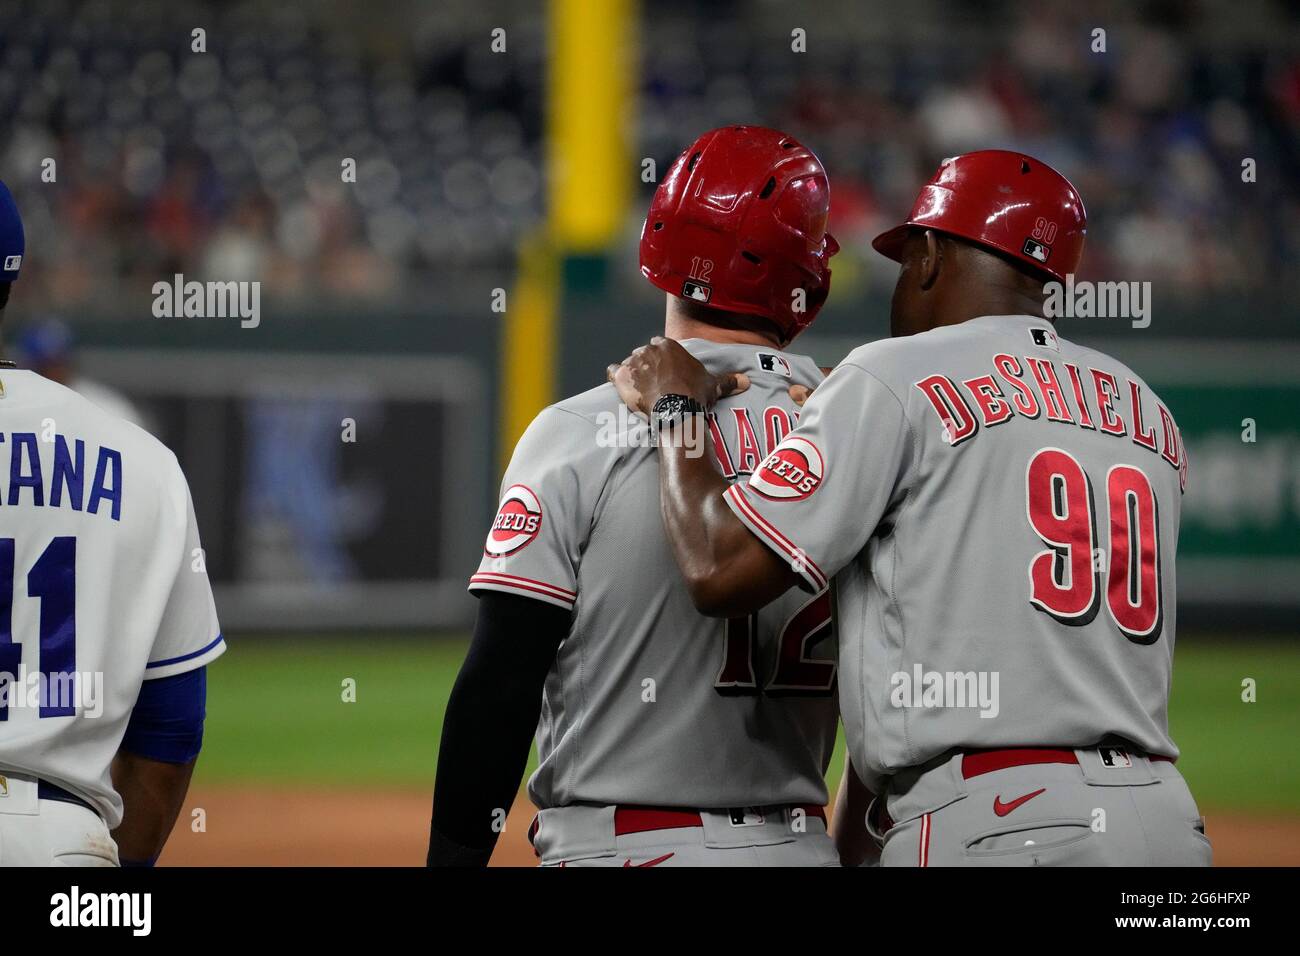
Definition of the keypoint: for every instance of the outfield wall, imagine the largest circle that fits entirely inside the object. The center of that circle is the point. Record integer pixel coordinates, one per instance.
(405, 505)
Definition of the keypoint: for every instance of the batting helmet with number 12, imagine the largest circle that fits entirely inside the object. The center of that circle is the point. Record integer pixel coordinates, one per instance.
(739, 223)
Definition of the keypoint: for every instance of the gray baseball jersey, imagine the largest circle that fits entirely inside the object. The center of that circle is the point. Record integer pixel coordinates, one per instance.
(648, 701)
(999, 510)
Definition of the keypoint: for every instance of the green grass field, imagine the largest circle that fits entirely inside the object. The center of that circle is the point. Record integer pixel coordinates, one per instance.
(276, 715)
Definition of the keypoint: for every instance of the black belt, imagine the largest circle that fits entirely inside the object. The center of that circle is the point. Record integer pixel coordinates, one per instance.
(49, 791)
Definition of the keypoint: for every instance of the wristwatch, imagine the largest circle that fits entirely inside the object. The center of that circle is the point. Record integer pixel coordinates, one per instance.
(671, 409)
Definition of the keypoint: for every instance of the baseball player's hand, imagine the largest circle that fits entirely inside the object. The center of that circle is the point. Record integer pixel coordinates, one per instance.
(801, 393)
(665, 368)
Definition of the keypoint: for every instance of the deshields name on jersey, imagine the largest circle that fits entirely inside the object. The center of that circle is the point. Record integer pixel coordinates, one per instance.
(77, 477)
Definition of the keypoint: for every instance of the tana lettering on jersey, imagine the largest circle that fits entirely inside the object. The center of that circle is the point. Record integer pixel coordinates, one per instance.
(518, 522)
(67, 481)
(792, 472)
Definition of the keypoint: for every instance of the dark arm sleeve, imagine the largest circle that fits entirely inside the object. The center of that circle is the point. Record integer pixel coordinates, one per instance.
(167, 721)
(489, 724)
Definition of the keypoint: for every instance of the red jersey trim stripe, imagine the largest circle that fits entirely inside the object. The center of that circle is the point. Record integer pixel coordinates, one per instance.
(746, 512)
(511, 582)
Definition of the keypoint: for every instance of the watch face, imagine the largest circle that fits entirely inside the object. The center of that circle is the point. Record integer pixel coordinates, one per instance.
(669, 409)
(668, 406)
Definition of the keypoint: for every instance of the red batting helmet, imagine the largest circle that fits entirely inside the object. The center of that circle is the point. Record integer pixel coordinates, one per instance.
(1006, 201)
(739, 223)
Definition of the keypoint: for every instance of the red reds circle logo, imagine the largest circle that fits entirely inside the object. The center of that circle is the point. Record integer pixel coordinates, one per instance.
(518, 522)
(792, 472)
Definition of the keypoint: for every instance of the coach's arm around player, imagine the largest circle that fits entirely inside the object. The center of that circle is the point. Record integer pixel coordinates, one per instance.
(728, 571)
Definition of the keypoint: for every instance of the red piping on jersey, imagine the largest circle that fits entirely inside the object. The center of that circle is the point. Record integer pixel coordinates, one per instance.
(515, 577)
(523, 584)
(761, 525)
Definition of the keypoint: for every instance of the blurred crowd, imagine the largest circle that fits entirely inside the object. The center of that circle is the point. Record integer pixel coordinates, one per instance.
(229, 164)
(1153, 131)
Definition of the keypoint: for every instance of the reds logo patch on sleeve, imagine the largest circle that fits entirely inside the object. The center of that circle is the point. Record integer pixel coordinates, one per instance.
(518, 522)
(792, 472)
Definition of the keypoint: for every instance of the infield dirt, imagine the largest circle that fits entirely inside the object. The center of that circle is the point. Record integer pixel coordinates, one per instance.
(265, 826)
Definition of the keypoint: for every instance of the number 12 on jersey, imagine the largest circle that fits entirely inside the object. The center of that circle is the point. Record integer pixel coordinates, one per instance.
(1065, 581)
(796, 674)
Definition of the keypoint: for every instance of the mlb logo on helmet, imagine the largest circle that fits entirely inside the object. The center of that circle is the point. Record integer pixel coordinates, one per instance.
(696, 291)
(1036, 250)
(12, 241)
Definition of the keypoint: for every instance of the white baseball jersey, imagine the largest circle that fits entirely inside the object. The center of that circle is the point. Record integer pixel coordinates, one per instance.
(102, 583)
(999, 510)
(649, 702)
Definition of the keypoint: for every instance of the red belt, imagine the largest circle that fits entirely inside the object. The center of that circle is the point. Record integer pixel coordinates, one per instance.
(986, 761)
(977, 762)
(644, 819)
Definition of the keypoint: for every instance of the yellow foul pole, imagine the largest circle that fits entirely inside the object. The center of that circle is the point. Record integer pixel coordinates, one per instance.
(590, 74)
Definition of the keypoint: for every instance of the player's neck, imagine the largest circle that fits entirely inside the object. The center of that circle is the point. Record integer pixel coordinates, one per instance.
(974, 307)
(980, 284)
(680, 326)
